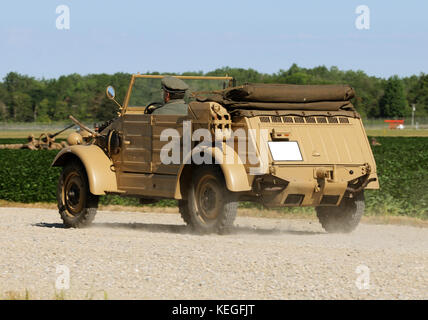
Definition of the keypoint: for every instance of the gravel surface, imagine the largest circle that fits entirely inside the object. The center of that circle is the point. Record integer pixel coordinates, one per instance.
(153, 256)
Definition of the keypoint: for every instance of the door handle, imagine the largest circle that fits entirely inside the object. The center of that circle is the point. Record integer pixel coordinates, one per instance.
(127, 142)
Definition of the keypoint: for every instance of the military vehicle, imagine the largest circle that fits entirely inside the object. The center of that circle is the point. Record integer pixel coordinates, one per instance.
(276, 144)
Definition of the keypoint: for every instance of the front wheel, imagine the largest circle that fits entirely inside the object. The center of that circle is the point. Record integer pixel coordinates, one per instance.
(343, 218)
(210, 206)
(76, 204)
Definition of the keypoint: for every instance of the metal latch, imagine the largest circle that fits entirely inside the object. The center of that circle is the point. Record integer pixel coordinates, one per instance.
(324, 173)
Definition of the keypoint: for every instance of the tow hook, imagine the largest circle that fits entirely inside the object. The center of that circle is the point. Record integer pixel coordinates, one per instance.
(366, 169)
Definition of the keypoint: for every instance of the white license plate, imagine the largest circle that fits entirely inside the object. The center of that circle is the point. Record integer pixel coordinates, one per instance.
(285, 151)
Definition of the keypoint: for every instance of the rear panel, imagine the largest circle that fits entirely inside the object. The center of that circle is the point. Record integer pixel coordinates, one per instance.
(335, 153)
(323, 140)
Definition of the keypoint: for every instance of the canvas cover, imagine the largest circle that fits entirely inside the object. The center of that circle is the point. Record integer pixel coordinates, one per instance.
(284, 97)
(301, 113)
(321, 105)
(289, 93)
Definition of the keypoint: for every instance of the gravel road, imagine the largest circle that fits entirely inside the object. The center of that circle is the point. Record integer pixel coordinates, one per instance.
(153, 256)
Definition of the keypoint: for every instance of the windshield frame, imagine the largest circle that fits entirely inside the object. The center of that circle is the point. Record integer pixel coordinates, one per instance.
(148, 76)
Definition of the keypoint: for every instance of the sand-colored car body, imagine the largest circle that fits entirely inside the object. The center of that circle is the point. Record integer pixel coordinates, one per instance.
(336, 159)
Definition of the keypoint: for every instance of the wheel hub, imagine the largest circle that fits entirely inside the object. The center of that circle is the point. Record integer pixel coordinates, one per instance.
(73, 194)
(208, 199)
(208, 195)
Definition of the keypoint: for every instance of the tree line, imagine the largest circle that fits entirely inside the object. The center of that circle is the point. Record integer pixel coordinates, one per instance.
(26, 99)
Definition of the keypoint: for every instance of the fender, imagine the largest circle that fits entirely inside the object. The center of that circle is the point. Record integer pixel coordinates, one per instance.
(235, 174)
(98, 166)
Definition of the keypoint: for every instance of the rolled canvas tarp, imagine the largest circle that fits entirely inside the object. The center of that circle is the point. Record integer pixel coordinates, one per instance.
(289, 93)
(319, 105)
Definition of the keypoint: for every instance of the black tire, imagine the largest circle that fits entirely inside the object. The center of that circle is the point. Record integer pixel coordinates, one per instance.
(183, 208)
(211, 207)
(343, 218)
(76, 204)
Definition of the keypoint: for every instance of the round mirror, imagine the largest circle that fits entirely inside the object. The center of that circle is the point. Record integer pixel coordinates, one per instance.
(111, 93)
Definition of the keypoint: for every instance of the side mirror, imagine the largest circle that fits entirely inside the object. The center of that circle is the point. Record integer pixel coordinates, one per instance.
(110, 92)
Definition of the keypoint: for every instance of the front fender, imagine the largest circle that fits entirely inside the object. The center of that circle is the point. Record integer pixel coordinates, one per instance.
(98, 166)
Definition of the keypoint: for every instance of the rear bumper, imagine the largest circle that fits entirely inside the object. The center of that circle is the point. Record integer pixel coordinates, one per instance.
(312, 185)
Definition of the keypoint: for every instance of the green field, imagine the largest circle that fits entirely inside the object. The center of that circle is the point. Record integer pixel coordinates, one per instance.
(24, 134)
(26, 177)
(397, 133)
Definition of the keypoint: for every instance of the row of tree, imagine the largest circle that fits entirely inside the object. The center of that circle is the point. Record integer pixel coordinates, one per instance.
(26, 99)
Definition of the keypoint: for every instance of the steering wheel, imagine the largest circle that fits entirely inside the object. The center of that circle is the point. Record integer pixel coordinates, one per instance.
(152, 106)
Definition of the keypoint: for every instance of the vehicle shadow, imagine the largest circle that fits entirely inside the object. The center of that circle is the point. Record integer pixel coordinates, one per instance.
(49, 225)
(182, 229)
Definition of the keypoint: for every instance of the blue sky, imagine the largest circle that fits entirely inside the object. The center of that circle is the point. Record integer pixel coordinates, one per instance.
(189, 35)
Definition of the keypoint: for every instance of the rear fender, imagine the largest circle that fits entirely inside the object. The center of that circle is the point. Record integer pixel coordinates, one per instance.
(235, 174)
(98, 166)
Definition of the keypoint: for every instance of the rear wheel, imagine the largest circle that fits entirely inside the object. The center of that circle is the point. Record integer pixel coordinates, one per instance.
(183, 208)
(343, 218)
(210, 206)
(76, 204)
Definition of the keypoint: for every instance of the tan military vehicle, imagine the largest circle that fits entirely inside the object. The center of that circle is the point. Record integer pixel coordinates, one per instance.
(280, 145)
